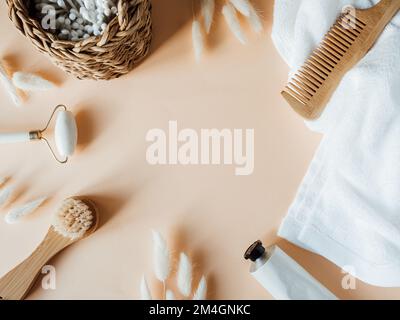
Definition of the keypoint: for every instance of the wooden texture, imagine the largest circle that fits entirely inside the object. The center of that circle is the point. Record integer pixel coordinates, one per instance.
(344, 45)
(202, 210)
(16, 284)
(124, 43)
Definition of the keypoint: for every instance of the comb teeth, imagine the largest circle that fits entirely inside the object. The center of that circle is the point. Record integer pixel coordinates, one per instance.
(347, 41)
(323, 61)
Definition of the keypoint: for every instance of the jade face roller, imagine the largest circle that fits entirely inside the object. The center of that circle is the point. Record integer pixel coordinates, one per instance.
(65, 132)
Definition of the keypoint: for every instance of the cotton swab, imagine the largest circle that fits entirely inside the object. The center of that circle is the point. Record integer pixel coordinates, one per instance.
(80, 19)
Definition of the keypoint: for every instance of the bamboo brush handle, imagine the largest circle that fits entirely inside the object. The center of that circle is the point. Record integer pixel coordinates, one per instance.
(16, 284)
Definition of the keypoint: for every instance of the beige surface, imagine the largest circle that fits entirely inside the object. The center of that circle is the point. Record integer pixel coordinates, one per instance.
(206, 211)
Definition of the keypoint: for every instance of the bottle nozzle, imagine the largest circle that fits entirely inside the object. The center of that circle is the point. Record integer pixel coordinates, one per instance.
(255, 251)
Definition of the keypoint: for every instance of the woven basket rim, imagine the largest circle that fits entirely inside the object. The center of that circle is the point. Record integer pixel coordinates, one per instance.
(123, 44)
(54, 37)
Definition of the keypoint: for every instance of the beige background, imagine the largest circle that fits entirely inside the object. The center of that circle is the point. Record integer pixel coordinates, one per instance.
(206, 210)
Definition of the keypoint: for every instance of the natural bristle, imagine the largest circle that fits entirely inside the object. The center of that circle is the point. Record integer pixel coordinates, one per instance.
(74, 219)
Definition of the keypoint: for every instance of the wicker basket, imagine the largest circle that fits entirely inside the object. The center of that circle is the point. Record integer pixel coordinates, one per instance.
(124, 43)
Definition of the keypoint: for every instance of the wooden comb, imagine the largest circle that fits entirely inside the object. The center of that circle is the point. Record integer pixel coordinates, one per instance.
(346, 43)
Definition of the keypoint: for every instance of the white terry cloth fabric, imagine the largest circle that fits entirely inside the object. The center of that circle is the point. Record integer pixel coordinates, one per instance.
(348, 206)
(285, 279)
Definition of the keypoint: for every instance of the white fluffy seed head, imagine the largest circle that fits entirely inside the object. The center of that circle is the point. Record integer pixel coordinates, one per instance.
(243, 6)
(197, 38)
(162, 264)
(184, 275)
(31, 82)
(208, 9)
(231, 18)
(201, 292)
(18, 213)
(74, 219)
(169, 295)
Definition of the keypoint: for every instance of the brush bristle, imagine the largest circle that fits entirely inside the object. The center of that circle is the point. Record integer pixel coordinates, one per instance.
(74, 219)
(325, 59)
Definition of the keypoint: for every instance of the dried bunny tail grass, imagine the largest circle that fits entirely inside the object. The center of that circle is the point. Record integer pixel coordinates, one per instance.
(75, 219)
(232, 20)
(145, 293)
(201, 292)
(3, 180)
(161, 254)
(5, 195)
(31, 82)
(243, 6)
(16, 214)
(197, 37)
(169, 295)
(9, 86)
(185, 275)
(255, 20)
(207, 11)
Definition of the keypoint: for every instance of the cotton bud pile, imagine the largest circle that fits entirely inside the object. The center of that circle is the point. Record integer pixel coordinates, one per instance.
(76, 19)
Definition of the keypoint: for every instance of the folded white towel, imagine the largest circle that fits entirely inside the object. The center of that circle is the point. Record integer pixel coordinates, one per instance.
(348, 206)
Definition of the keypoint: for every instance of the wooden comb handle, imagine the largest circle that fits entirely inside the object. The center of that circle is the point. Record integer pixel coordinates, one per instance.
(381, 13)
(378, 16)
(385, 5)
(16, 284)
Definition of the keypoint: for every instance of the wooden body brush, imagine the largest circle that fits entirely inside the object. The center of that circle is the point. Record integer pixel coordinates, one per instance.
(75, 220)
(346, 43)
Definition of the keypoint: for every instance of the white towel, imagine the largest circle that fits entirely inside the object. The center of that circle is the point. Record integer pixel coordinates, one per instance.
(348, 206)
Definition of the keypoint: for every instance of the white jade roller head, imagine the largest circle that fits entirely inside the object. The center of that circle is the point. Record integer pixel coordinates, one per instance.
(65, 132)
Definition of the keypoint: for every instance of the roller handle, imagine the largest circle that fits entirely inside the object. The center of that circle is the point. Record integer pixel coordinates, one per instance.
(15, 137)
